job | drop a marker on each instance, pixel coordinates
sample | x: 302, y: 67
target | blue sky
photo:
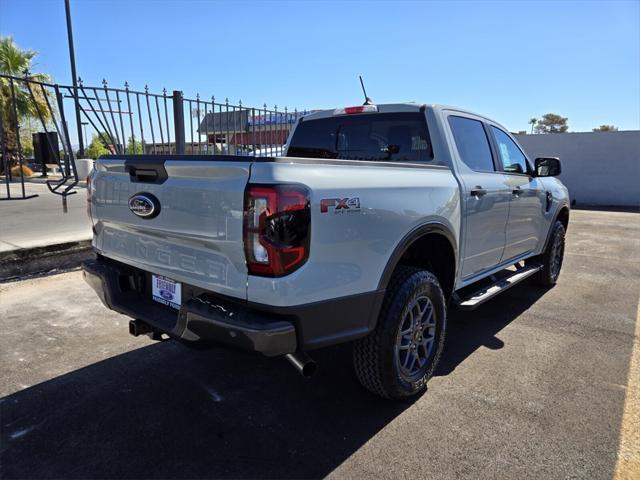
x: 507, y: 60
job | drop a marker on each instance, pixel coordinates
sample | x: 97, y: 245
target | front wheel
x: 398, y: 358
x: 552, y: 257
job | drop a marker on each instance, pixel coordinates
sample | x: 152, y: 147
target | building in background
x: 247, y: 131
x: 598, y: 168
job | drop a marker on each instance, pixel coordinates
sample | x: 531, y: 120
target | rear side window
x: 472, y: 143
x: 389, y: 137
x: 513, y: 160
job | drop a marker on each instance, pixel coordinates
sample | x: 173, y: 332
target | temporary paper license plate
x: 166, y: 291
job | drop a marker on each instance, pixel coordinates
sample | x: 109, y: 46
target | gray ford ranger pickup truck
x: 375, y: 221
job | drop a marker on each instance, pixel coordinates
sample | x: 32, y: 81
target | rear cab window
x: 385, y: 137
x: 472, y: 143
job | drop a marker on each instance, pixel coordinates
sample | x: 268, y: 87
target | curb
x: 27, y: 261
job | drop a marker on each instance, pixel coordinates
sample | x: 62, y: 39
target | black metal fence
x: 127, y: 121
x: 22, y: 98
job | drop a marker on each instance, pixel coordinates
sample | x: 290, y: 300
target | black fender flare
x: 553, y: 222
x: 413, y: 235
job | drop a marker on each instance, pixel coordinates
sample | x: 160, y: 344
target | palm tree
x: 532, y: 122
x: 16, y: 62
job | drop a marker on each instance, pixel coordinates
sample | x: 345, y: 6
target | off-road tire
x: 374, y: 356
x: 548, y: 275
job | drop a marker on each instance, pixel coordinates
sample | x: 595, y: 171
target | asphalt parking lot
x: 532, y: 385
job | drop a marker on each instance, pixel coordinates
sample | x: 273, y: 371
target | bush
x: 26, y: 171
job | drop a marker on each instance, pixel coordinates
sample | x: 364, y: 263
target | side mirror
x: 548, y: 167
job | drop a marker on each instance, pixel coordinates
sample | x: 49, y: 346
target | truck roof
x: 396, y: 107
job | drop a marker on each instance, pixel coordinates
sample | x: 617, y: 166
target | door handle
x: 516, y: 192
x: 478, y: 191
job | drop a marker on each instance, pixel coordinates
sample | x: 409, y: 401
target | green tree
x: 26, y: 141
x: 532, y: 122
x: 606, y: 128
x: 15, y: 62
x: 552, y: 123
x: 134, y: 147
x: 96, y: 148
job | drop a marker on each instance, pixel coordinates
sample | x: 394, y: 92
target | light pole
x: 84, y: 129
x: 74, y: 78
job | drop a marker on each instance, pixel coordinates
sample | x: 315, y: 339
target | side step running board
x: 479, y: 297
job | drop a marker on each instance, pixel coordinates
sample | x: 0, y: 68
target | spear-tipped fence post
x: 198, y: 123
x: 213, y: 125
x: 287, y: 125
x: 227, y: 139
x: 276, y: 130
x: 130, y: 113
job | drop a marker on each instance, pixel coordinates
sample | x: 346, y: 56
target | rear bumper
x: 210, y: 317
x: 200, y: 318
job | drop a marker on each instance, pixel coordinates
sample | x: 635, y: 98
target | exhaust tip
x: 303, y: 364
x: 309, y: 370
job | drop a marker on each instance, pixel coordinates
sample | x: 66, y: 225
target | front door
x: 528, y: 198
x: 485, y: 196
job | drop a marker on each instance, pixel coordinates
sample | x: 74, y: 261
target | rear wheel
x: 552, y: 257
x: 398, y: 358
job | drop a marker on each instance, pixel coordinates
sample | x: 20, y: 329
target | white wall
x: 598, y: 168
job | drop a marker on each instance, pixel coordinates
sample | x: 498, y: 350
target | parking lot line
x: 628, y: 464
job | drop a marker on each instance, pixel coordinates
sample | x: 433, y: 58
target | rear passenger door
x: 527, y: 199
x: 485, y: 195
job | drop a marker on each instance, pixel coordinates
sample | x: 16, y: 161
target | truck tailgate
x: 197, y: 235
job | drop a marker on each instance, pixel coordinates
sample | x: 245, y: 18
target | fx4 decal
x: 340, y: 205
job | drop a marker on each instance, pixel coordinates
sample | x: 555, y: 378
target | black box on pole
x: 46, y: 152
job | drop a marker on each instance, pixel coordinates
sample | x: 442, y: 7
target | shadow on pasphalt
x: 469, y: 330
x: 167, y: 411
x: 172, y: 412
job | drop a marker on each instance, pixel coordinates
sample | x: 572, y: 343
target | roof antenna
x: 367, y: 100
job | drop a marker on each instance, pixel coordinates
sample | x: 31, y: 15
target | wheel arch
x: 562, y: 214
x: 430, y: 245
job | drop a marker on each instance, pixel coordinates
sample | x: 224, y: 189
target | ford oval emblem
x: 144, y: 205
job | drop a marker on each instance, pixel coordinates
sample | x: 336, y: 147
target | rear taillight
x: 276, y: 228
